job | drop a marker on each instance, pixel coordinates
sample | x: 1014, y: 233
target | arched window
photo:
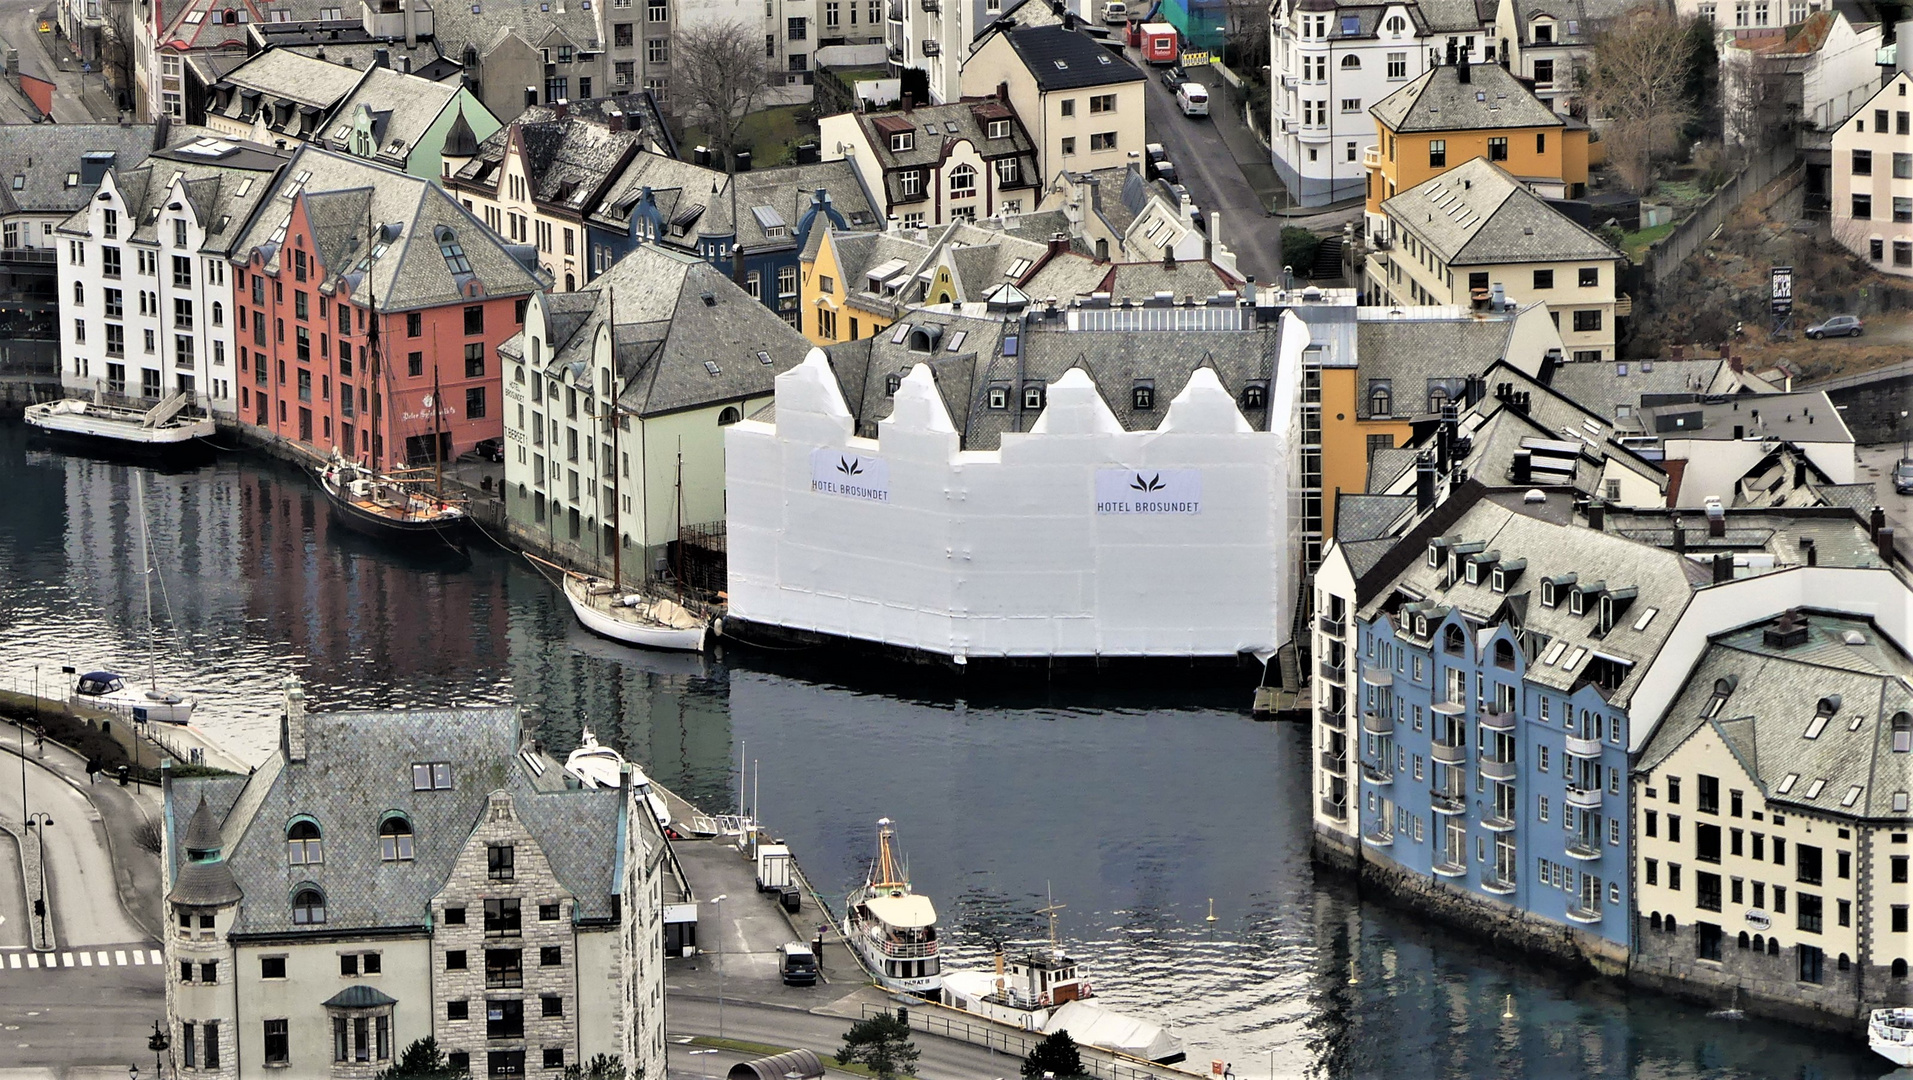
x: 1655, y: 920
x: 1437, y: 399
x: 308, y: 906
x: 395, y: 839
x: 79, y: 293
x: 1351, y: 62
x: 962, y: 178
x: 1255, y: 396
x: 1668, y: 924
x: 1845, y: 962
x: 1504, y: 653
x: 1899, y: 968
x: 1453, y: 640
x: 1743, y: 940
x: 729, y: 416
x: 1381, y: 399
x: 1773, y: 946
x: 1902, y: 733
x: 219, y: 313
x: 1760, y: 943
x: 571, y: 282
x: 303, y: 844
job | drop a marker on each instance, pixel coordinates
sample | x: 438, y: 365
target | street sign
x: 1780, y: 290
x: 46, y: 27
x: 1196, y: 58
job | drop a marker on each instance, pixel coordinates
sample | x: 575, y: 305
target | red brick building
x: 369, y: 301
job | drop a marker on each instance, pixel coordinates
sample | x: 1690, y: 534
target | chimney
x: 1680, y: 535
x: 1723, y: 568
x: 1248, y: 290
x: 1875, y: 522
x: 741, y: 161
x: 614, y: 120
x: 411, y: 24
x: 1003, y: 92
x: 1451, y: 52
x: 1209, y: 236
x: 1597, y: 515
x: 381, y: 58
x: 1498, y: 297
x: 1808, y: 549
x: 292, y: 722
x: 1725, y: 351
x: 405, y: 64
x: 1790, y: 631
x: 909, y: 101
x: 701, y: 155
x: 561, y: 108
x: 1886, y: 544
x: 1523, y: 471
x: 1679, y: 352
x: 1740, y: 432
x: 1058, y: 243
x: 1461, y: 70
x: 1800, y: 473
x: 1738, y: 365
x: 1424, y: 483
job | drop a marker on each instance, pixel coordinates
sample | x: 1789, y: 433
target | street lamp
x: 715, y: 901
x: 44, y: 821
x: 158, y: 1045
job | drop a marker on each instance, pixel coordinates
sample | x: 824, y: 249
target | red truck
x: 1158, y: 43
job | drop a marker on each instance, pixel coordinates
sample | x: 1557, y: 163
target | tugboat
x: 891, y: 929
x: 1890, y: 1034
x: 385, y: 506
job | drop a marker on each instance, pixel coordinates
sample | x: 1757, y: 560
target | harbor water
x: 1137, y: 808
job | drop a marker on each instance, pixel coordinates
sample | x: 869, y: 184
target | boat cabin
x: 1041, y: 979
x: 96, y: 683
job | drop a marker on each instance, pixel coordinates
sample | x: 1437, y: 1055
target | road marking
x: 139, y: 957
x: 86, y: 959
x: 15, y: 957
x: 33, y: 960
x: 119, y: 956
x: 102, y: 957
x: 157, y: 958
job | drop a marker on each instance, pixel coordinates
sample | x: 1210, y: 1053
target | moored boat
x: 168, y: 431
x: 386, y: 506
x: 1890, y: 1034
x: 892, y: 929
x: 635, y: 618
x: 595, y: 765
x: 109, y: 692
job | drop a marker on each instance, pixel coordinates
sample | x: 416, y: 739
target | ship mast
x: 1051, y: 911
x: 438, y: 441
x: 886, y: 871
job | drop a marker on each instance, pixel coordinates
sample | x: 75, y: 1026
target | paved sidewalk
x: 1250, y: 155
x: 123, y: 811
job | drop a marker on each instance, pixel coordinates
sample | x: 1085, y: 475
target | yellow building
x: 1454, y: 114
x: 1771, y: 817
x: 855, y: 284
x: 1475, y: 234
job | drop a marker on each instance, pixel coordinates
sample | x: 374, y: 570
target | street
x: 943, y: 1059
x: 1215, y: 182
x: 48, y: 57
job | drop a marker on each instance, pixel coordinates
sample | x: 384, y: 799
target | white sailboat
x: 892, y: 929
x: 112, y: 693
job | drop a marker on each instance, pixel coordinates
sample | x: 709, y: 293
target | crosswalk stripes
x: 112, y: 956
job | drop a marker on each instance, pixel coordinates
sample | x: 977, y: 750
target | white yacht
x: 106, y: 690
x: 595, y: 765
x: 891, y: 929
x: 1890, y: 1034
x: 166, y: 430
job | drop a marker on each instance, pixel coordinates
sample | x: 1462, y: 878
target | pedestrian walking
x: 92, y: 770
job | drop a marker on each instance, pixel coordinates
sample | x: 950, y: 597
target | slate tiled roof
x: 1439, y: 101
x: 1600, y: 386
x: 1408, y: 352
x: 1063, y: 59
x: 484, y: 24
x: 1360, y: 517
x: 1775, y: 695
x: 1476, y: 214
x: 1576, y: 22
x: 403, y: 108
x: 935, y: 130
x: 299, y: 92
x: 669, y: 336
x: 45, y: 169
x: 425, y: 59
x: 225, y: 180
x: 359, y: 209
x: 358, y: 767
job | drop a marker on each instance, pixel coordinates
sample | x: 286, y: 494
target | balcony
x: 1448, y: 708
x: 1623, y: 306
x: 1378, y: 837
x: 1497, y: 882
x: 1580, y: 848
x: 1583, y: 915
x: 1376, y: 676
x: 28, y: 257
x: 1289, y: 81
x: 1377, y: 777
x: 1451, y: 803
x: 1495, y: 720
x: 1450, y: 869
x: 1334, y: 673
x: 1449, y: 755
x: 1334, y: 811
x: 1585, y: 748
x: 1494, y: 822
x: 1584, y: 798
x: 1334, y: 627
x: 1497, y: 769
x: 1332, y: 718
x: 1335, y: 763
x: 1372, y: 157
x: 1376, y: 724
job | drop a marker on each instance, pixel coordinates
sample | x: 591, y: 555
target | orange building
x: 1459, y: 112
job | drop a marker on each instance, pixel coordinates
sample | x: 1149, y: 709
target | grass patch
x: 769, y: 134
x: 1688, y: 191
x: 1637, y: 243
x: 766, y: 1050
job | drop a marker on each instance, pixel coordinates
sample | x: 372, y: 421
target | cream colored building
x: 1873, y: 179
x: 1457, y: 238
x: 385, y: 877
x: 1771, y: 820
x: 1081, y: 102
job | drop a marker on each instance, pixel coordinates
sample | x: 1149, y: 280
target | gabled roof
x: 55, y: 168
x: 1409, y: 352
x: 226, y: 181
x: 402, y: 108
x: 935, y: 130
x: 1063, y: 59
x: 1476, y: 214
x: 1439, y: 101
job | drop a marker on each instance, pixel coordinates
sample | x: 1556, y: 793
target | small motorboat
x: 109, y: 692
x: 1890, y: 1034
x: 892, y: 929
x: 595, y: 765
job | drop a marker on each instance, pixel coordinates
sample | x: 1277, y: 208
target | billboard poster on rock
x: 1148, y: 491
x: 850, y: 475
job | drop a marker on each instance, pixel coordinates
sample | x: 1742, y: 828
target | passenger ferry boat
x: 891, y: 929
x: 172, y: 431
x: 1890, y: 1033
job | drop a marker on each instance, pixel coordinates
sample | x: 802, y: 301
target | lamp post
x: 719, y: 928
x: 158, y: 1045
x: 45, y: 822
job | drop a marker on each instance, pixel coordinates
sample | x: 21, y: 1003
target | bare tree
x: 720, y: 75
x: 1636, y: 74
x: 1757, y: 100
x: 1247, y: 35
x: 117, y: 47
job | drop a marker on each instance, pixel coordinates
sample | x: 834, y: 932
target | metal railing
x: 928, y: 1019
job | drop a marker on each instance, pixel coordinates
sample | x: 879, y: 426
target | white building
x: 144, y: 268
x: 1816, y: 73
x: 1331, y: 61
x: 1166, y: 532
x: 1873, y: 179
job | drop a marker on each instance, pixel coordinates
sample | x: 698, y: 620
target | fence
x: 1668, y: 253
x: 1104, y: 1064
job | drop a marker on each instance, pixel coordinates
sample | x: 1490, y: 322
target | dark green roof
x: 359, y: 996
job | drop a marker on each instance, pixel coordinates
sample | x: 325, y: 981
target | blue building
x: 764, y: 215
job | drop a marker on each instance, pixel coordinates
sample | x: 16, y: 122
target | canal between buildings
x: 1134, y: 808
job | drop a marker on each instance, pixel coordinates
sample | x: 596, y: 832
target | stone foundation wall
x: 1767, y: 985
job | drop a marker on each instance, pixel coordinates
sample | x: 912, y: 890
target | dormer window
x: 999, y: 129
x: 1255, y: 396
x: 1142, y: 396
x: 1577, y: 602
x: 1499, y: 581
x: 901, y: 141
x: 395, y: 839
x: 1421, y: 626
x: 891, y: 383
x: 304, y: 846
x: 1474, y: 572
x: 1902, y: 733
x: 1723, y: 688
x: 999, y: 397
x: 308, y: 906
x: 435, y: 775
x: 1033, y: 396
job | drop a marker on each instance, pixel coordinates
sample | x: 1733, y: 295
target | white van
x: 1193, y: 99
x: 1115, y: 13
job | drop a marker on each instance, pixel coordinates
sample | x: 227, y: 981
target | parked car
x: 1156, y: 163
x: 491, y: 449
x: 1838, y: 326
x: 1903, y: 476
x: 1115, y: 13
x: 1173, y: 77
x: 1192, y: 99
